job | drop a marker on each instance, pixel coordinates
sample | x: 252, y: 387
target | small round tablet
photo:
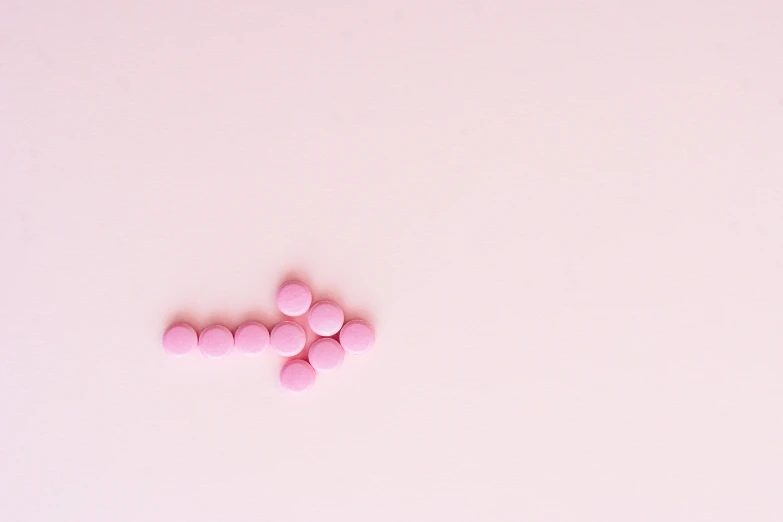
x: 326, y: 318
x: 215, y: 341
x: 288, y: 338
x: 326, y: 354
x: 294, y: 298
x: 357, y: 336
x: 179, y: 339
x: 297, y: 375
x: 251, y: 338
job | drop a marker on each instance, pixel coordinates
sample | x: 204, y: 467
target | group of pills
x: 325, y: 318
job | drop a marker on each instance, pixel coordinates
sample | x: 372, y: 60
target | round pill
x: 215, y: 341
x: 251, y: 338
x: 357, y: 336
x: 288, y: 338
x: 297, y: 375
x: 326, y: 318
x: 179, y: 339
x: 294, y: 298
x: 326, y: 354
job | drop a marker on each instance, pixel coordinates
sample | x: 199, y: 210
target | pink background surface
x: 564, y: 218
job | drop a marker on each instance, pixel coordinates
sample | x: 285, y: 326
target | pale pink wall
x: 565, y: 219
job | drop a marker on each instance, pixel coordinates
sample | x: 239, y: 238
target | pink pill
x: 215, y: 341
x: 179, y: 339
x: 326, y: 318
x: 357, y: 336
x: 288, y: 338
x: 251, y: 338
x: 326, y: 354
x: 297, y: 375
x: 294, y: 298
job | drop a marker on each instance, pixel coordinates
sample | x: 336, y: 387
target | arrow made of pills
x: 325, y: 318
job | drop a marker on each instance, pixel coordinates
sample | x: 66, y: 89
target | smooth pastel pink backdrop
x: 564, y: 218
